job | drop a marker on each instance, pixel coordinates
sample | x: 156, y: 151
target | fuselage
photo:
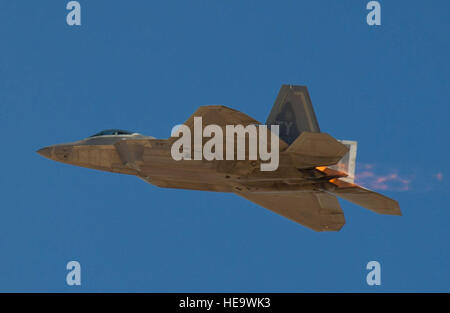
x: 150, y: 159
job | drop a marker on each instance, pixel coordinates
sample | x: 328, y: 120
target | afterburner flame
x: 370, y: 178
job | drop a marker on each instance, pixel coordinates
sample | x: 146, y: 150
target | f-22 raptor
x: 314, y: 168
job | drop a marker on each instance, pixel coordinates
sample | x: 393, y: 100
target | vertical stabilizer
x: 293, y: 112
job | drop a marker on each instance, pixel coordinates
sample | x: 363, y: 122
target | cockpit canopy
x: 112, y: 132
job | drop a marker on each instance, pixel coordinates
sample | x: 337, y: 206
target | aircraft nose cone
x: 45, y: 152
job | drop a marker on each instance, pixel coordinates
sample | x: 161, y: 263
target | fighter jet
x: 314, y: 168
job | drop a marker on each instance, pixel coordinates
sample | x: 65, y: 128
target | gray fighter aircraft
x: 314, y: 168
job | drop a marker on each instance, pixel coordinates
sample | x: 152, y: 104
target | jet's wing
x: 223, y: 116
x: 318, y: 211
x: 220, y: 115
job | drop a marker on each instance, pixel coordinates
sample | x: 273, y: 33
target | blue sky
x: 146, y: 66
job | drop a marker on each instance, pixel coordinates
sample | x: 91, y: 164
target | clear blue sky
x: 146, y: 66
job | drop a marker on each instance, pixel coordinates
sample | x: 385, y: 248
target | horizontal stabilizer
x: 366, y: 198
x: 316, y: 149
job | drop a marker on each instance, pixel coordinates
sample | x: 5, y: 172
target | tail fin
x: 293, y: 112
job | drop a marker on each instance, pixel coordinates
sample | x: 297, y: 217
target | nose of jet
x: 45, y: 152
